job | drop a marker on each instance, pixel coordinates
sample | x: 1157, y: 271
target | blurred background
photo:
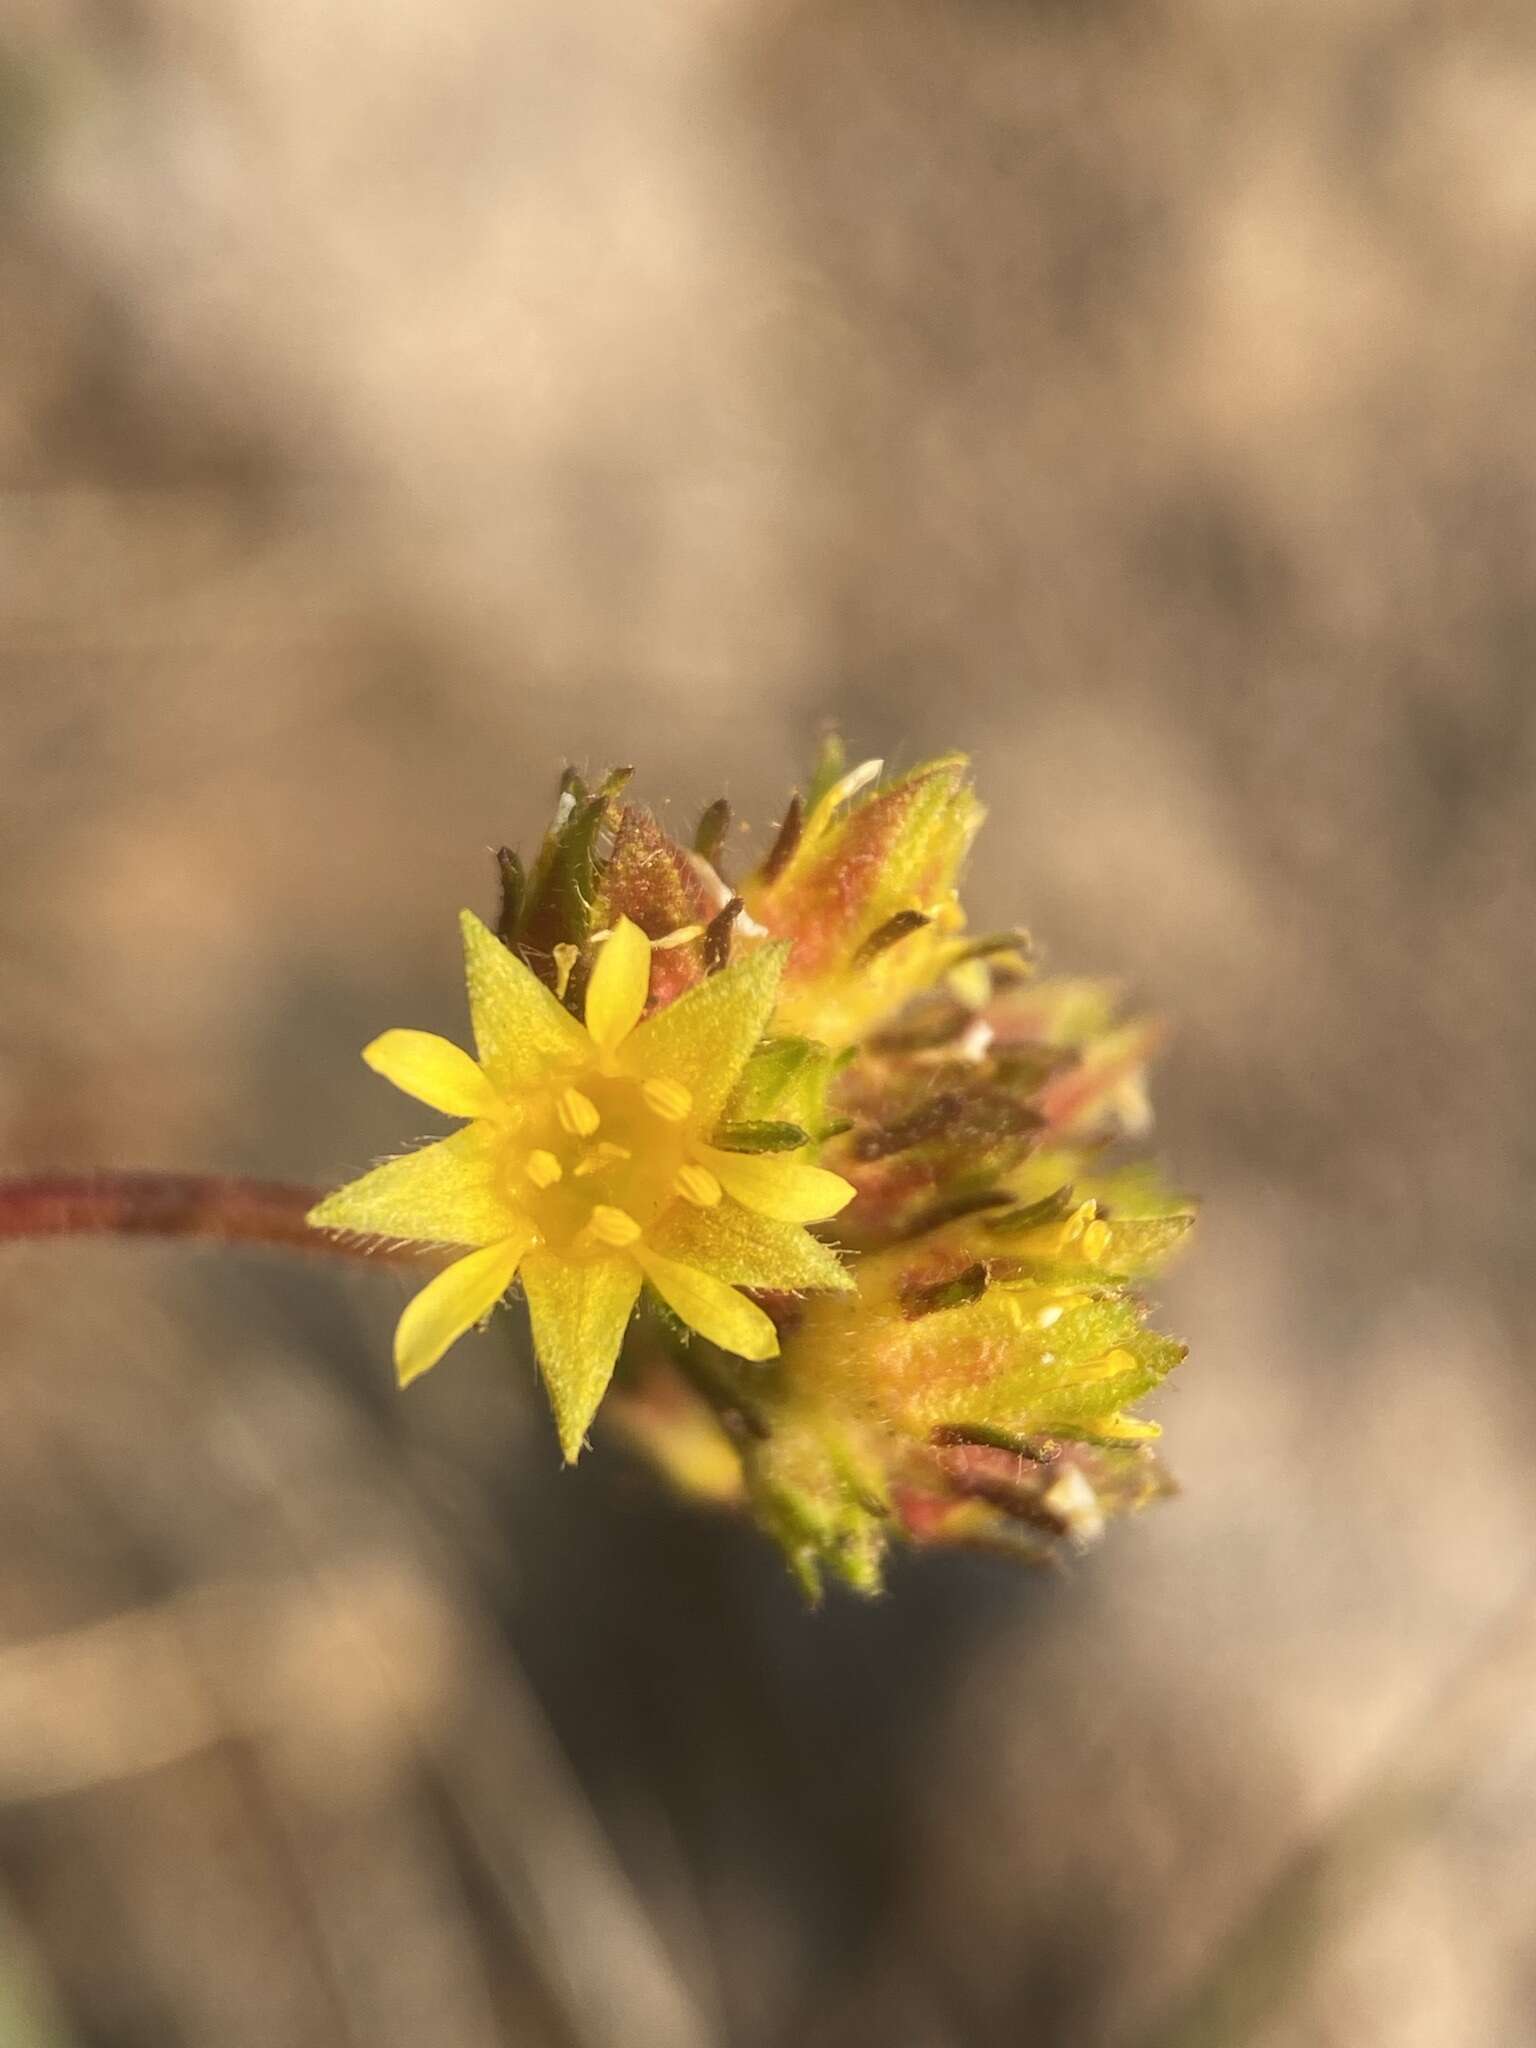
x: 398, y: 402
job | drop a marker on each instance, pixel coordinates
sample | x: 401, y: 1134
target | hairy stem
x: 215, y: 1208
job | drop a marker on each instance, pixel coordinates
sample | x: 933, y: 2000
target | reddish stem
x: 218, y: 1208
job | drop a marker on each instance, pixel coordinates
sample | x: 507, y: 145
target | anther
x: 1095, y: 1242
x: 577, y: 1113
x: 1079, y: 1220
x: 612, y: 1227
x: 698, y: 1185
x: 544, y: 1169
x: 669, y: 1099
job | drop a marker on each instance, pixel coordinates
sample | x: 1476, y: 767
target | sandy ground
x: 395, y: 403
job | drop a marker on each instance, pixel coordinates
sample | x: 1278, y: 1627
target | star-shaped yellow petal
x: 447, y: 1193
x: 453, y: 1303
x: 587, y: 1170
x: 520, y: 1030
x: 706, y: 1037
x: 579, y: 1315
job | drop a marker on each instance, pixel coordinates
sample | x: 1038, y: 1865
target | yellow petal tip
x: 435, y: 1071
x: 621, y: 981
x: 777, y: 1185
x: 711, y: 1306
x: 452, y: 1303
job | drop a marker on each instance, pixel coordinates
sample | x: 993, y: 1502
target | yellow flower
x: 585, y: 1169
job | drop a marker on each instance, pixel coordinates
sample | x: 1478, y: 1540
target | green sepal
x: 785, y: 1082
x: 849, y: 872
x: 1137, y: 1243
x: 1027, y: 1271
x: 824, y: 1502
x: 514, y: 894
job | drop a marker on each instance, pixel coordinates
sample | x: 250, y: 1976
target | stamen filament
x: 602, y: 1154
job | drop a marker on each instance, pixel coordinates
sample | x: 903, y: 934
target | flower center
x: 598, y: 1157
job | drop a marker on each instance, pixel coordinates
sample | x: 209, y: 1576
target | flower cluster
x: 677, y: 1075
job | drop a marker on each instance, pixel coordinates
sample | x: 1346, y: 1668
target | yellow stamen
x: 612, y: 1226
x: 1079, y: 1220
x: 683, y: 936
x: 670, y: 1100
x: 1049, y: 1315
x: 565, y: 958
x: 544, y: 1169
x: 577, y: 1113
x: 698, y: 1185
x: 603, y: 1154
x: 1095, y: 1242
